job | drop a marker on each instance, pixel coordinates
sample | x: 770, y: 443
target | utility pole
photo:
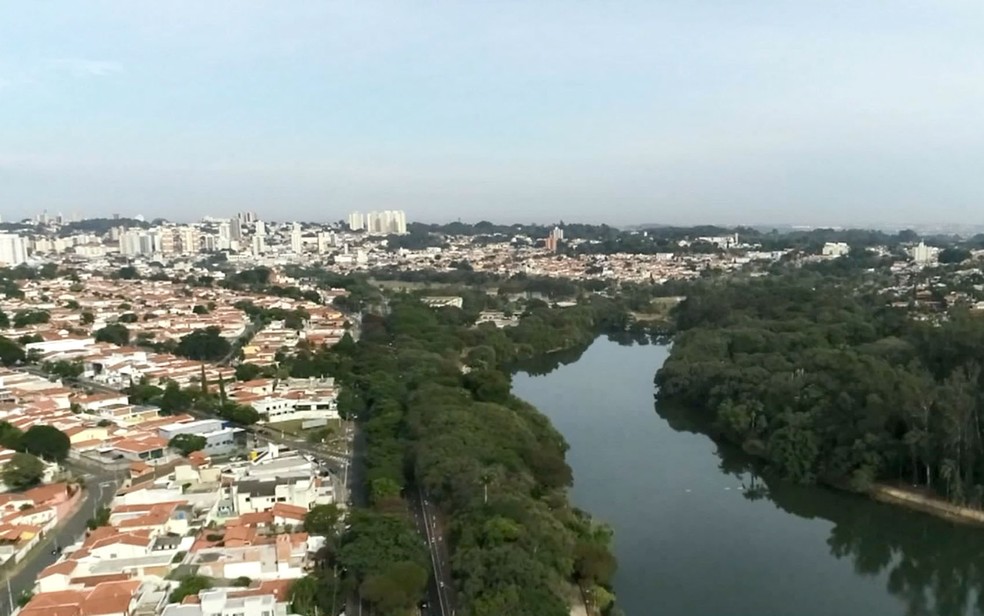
x: 10, y: 596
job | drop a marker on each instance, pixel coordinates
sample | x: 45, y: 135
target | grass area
x: 294, y: 427
x: 659, y: 309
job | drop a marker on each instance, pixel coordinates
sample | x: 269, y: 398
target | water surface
x: 697, y: 533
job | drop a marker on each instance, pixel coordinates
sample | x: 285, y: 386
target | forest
x: 817, y: 375
x: 493, y: 464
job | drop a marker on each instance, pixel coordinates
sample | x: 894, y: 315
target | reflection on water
x: 699, y: 531
x: 934, y: 566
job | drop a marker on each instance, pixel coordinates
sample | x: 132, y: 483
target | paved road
x: 100, y: 490
x: 440, y: 597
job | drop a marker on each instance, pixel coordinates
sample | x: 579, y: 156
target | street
x: 99, y: 492
x: 439, y: 591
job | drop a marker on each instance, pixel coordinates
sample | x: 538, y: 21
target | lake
x: 698, y: 533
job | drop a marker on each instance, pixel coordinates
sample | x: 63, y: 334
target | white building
x: 296, y: 400
x: 925, y: 255
x: 296, y: 243
x: 219, y: 439
x: 835, y: 249
x: 136, y: 243
x: 255, y: 496
x: 325, y: 240
x: 386, y: 222
x: 225, y: 236
x: 356, y: 221
x: 220, y: 603
x: 13, y: 250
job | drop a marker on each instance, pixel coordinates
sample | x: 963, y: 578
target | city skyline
x: 812, y: 113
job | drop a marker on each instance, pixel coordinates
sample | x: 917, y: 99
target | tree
x: 204, y: 344
x: 186, y: 444
x: 322, y: 520
x: 199, y: 309
x: 174, y: 399
x: 46, y: 442
x: 128, y: 317
x: 4, y: 320
x: 488, y: 385
x: 64, y: 369
x: 10, y: 352
x: 23, y: 318
x: 954, y: 255
x: 23, y: 471
x: 10, y: 436
x: 101, y: 518
x: 115, y: 333
x: 239, y: 413
x: 397, y: 589
x: 87, y: 318
x: 190, y: 585
x: 247, y: 372
x: 127, y: 273
x: 203, y: 381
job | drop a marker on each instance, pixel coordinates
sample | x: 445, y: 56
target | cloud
x: 81, y: 68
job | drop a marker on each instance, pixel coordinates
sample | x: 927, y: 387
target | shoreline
x: 917, y: 501
x: 911, y: 499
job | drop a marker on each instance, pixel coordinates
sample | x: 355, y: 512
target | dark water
x: 697, y: 533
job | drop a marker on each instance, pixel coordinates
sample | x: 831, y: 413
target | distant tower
x: 236, y: 229
x: 356, y: 221
x: 553, y: 240
x: 295, y: 239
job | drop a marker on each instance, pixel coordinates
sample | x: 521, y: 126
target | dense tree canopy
x: 23, y: 318
x: 826, y: 382
x: 11, y: 353
x: 204, y: 344
x: 46, y: 442
x: 493, y: 463
x: 322, y: 520
x: 114, y: 333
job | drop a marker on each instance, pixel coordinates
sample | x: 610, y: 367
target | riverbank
x: 912, y: 499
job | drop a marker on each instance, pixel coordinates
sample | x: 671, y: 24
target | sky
x: 820, y: 112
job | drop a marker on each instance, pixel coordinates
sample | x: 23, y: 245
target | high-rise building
x: 296, y: 245
x: 13, y: 250
x: 224, y: 239
x: 356, y: 221
x: 553, y: 240
x: 167, y: 241
x: 187, y: 239
x: 259, y: 238
x: 325, y: 240
x: 386, y: 222
x: 259, y: 244
x: 236, y: 229
x: 401, y: 222
x: 925, y: 255
x: 135, y: 243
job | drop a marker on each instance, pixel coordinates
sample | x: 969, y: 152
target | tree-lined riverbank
x: 699, y: 532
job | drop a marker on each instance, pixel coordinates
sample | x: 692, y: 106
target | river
x: 698, y: 533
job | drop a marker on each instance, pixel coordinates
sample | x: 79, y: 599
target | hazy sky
x: 798, y: 111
